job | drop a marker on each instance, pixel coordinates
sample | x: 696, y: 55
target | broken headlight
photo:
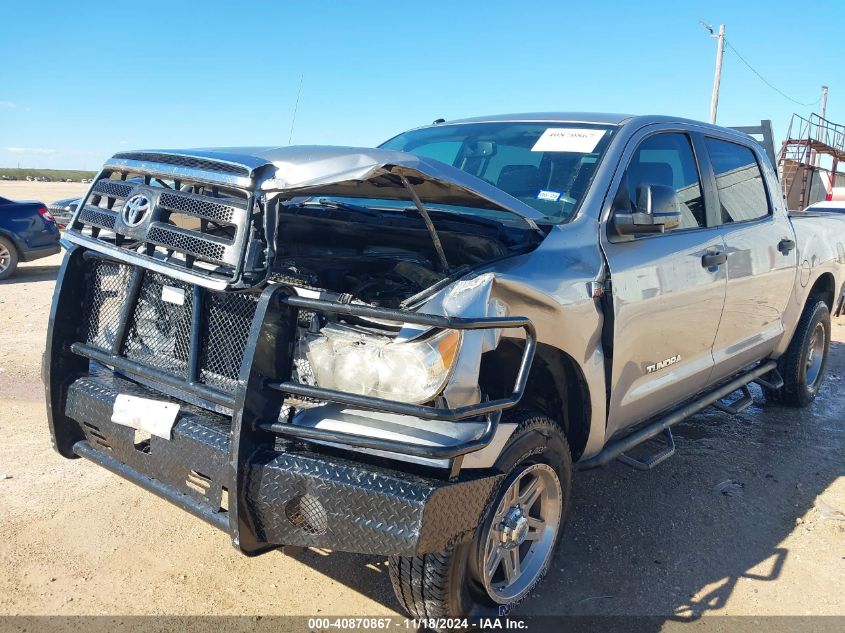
x: 407, y: 371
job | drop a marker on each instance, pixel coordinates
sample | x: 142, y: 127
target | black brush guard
x: 233, y: 467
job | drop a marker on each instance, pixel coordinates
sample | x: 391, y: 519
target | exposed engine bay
x: 386, y: 257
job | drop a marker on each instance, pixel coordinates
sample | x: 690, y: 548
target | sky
x: 81, y: 81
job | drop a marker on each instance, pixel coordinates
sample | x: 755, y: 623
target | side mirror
x: 658, y: 210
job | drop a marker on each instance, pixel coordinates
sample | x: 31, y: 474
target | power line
x: 766, y: 81
x: 295, y: 108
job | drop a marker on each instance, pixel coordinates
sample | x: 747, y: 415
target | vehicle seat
x: 661, y: 174
x: 519, y: 180
x: 652, y: 173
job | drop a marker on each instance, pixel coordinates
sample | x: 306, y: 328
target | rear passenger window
x: 742, y: 192
x: 667, y: 159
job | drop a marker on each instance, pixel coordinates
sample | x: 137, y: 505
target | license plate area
x: 145, y: 415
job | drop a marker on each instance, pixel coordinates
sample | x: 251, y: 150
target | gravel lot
x: 746, y: 519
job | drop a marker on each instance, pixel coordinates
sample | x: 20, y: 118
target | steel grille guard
x: 265, y: 370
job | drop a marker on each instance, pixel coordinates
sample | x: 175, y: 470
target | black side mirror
x: 658, y: 210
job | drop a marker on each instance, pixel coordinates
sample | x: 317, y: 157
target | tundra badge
x: 650, y: 369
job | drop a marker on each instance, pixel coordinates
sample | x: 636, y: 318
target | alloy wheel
x: 5, y: 258
x: 815, y: 355
x: 523, y: 533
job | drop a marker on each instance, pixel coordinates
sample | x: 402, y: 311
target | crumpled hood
x: 358, y: 172
x: 371, y: 173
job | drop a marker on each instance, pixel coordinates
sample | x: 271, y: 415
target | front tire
x: 515, y: 542
x: 8, y: 258
x: 804, y: 363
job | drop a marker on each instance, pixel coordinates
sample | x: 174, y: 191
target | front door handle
x: 786, y: 246
x: 711, y: 260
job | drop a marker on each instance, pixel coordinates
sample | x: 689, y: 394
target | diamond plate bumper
x: 293, y: 496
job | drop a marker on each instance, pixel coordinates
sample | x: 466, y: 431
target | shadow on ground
x: 30, y: 274
x: 674, y: 542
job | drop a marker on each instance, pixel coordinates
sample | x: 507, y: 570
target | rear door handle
x: 786, y: 246
x: 711, y: 260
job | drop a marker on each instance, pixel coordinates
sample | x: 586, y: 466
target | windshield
x: 545, y: 165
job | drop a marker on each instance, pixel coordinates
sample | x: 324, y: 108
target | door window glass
x: 742, y: 193
x: 667, y: 159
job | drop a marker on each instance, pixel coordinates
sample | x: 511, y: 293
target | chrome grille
x: 199, y: 207
x: 95, y: 216
x: 192, y: 162
x: 198, y: 221
x: 184, y: 242
x: 113, y: 188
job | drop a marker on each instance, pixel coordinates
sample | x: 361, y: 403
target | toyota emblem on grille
x: 136, y: 210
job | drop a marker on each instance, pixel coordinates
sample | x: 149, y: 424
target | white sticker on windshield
x: 552, y: 196
x: 568, y: 139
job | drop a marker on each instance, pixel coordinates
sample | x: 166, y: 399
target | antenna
x: 295, y: 108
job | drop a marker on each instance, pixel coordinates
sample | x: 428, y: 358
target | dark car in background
x: 62, y: 210
x: 27, y: 232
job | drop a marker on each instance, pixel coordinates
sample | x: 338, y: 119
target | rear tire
x: 804, y: 363
x: 8, y: 258
x: 448, y: 584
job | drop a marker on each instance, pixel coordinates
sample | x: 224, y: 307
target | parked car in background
x: 27, y: 232
x: 62, y: 210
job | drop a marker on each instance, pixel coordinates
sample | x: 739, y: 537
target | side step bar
x: 661, y: 424
x: 663, y: 449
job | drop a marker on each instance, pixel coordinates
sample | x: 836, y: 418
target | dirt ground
x: 45, y: 192
x: 746, y: 519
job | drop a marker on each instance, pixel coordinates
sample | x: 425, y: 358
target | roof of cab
x: 254, y: 157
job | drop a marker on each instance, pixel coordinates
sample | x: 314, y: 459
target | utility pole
x: 720, y: 51
x: 818, y: 158
x: 824, y: 101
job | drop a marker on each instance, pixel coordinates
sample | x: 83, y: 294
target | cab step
x: 739, y: 405
x: 660, y: 425
x: 773, y: 380
x: 661, y: 448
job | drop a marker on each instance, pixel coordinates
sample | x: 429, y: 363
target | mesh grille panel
x: 113, y: 188
x: 96, y: 217
x: 160, y: 331
x: 226, y: 328
x: 158, y: 334
x: 104, y: 296
x: 198, y: 246
x: 198, y: 207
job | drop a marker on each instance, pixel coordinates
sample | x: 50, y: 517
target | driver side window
x: 666, y: 159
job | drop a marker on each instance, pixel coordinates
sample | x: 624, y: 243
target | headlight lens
x: 413, y: 371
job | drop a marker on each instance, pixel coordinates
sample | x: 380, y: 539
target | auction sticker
x: 568, y: 139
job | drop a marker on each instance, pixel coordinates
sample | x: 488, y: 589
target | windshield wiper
x: 328, y: 203
x: 485, y: 220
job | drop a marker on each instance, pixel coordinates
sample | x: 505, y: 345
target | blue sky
x: 80, y: 81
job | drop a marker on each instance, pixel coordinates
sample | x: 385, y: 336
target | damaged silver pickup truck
x: 403, y: 351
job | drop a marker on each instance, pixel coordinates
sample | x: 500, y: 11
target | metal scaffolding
x: 808, y: 142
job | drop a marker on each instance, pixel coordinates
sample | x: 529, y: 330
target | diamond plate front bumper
x: 293, y: 496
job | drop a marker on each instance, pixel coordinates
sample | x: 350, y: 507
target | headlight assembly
x: 411, y: 371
